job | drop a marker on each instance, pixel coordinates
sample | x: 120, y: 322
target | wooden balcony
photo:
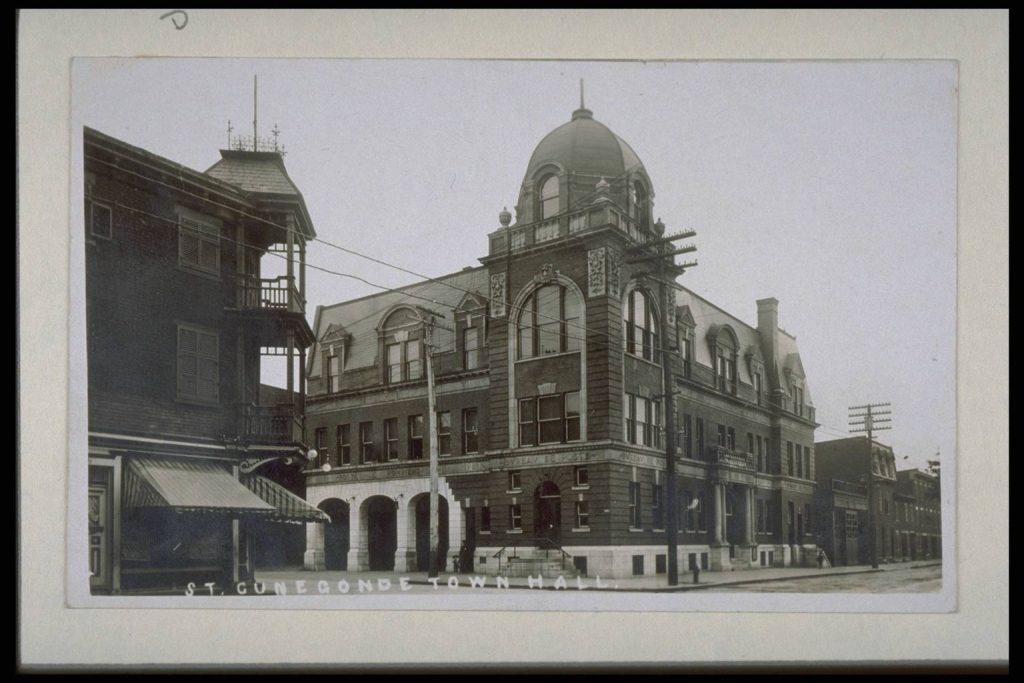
x: 277, y: 294
x: 279, y: 423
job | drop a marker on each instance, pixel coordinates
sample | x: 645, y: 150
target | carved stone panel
x: 596, y: 280
x: 613, y: 283
x: 498, y: 295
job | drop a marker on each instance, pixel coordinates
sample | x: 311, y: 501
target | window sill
x: 485, y: 533
x: 634, y: 529
x: 549, y: 355
x: 514, y: 531
x: 581, y: 530
x: 583, y: 487
x: 514, y: 491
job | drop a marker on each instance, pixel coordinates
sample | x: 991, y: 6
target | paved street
x: 897, y: 578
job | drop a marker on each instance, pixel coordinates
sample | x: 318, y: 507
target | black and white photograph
x: 353, y: 336
x: 383, y: 328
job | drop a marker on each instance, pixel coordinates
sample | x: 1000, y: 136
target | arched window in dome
x: 640, y: 324
x: 549, y: 322
x: 549, y: 199
x: 638, y: 205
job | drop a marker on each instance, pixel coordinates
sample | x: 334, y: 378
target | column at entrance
x: 746, y: 553
x: 313, y: 559
x: 405, y: 556
x: 359, y: 541
x: 719, y: 551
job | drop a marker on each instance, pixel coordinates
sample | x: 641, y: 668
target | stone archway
x: 421, y: 530
x: 336, y: 534
x: 380, y: 516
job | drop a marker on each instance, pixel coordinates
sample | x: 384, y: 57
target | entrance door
x: 382, y: 533
x: 547, y: 522
x: 336, y: 534
x: 423, y: 532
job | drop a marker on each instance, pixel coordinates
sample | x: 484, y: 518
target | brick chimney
x: 768, y: 329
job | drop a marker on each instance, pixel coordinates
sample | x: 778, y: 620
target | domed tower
x: 567, y: 168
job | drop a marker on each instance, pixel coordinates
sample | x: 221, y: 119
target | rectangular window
x: 761, y: 519
x: 394, y: 354
x: 344, y: 445
x: 767, y: 454
x: 686, y: 436
x: 470, y: 348
x: 760, y: 453
x: 413, y: 366
x: 444, y: 433
x: 638, y: 565
x: 700, y: 439
x: 799, y: 461
x: 581, y: 477
x: 702, y: 522
x: 515, y: 517
x: 750, y: 442
x: 100, y: 221
x: 528, y: 422
x: 634, y: 505
x: 469, y: 431
x: 757, y: 385
x: 415, y: 437
x: 655, y: 424
x: 572, y: 416
x: 789, y: 458
x: 514, y: 481
x: 320, y: 440
x: 198, y: 245
x: 657, y: 511
x: 807, y: 462
x: 721, y: 435
x: 366, y: 442
x: 485, y: 519
x: 582, y: 514
x: 549, y: 418
x: 686, y: 352
x: 198, y: 364
x: 730, y: 439
x: 629, y: 411
x: 659, y: 563
x: 391, y: 439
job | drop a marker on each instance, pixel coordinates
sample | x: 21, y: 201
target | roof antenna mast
x: 254, y: 134
x: 581, y: 94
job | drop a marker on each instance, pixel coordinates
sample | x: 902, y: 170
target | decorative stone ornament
x: 547, y: 274
x: 670, y: 307
x: 504, y: 217
x: 596, y: 272
x: 498, y: 295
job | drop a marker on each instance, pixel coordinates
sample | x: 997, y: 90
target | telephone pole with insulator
x: 871, y: 418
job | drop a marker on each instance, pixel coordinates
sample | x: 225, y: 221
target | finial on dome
x: 504, y: 217
x: 582, y: 112
x: 602, y: 185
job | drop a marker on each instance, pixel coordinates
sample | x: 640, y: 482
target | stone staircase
x: 550, y: 566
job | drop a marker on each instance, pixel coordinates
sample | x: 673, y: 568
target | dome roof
x: 584, y: 145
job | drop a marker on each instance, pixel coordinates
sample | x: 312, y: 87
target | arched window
x: 640, y: 323
x: 638, y: 205
x: 549, y: 322
x: 549, y: 202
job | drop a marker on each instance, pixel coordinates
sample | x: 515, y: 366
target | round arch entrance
x: 336, y: 534
x: 422, y: 512
x: 381, y: 533
x: 547, y: 521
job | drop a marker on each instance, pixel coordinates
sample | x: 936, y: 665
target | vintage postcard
x: 552, y: 335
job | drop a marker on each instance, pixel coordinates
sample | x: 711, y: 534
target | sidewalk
x: 647, y: 584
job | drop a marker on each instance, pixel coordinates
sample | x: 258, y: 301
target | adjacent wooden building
x: 180, y: 311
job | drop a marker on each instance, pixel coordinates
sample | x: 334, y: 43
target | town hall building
x: 547, y: 359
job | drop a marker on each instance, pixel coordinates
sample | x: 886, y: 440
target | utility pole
x: 875, y: 418
x: 428, y: 344
x: 664, y: 261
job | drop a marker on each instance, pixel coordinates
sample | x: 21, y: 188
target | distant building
x: 179, y: 314
x: 550, y: 400
x: 906, y: 504
x: 919, y: 516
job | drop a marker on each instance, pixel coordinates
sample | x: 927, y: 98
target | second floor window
x: 470, y: 443
x: 549, y: 322
x: 643, y: 421
x: 366, y: 442
x: 582, y: 478
x: 657, y: 511
x: 391, y: 439
x: 344, y: 445
x: 635, y: 521
x: 789, y: 458
x: 515, y: 517
x: 198, y: 245
x: 515, y: 482
x: 198, y: 364
x: 444, y: 433
x: 320, y: 440
x: 415, y: 437
x: 549, y: 419
x: 99, y: 217
x: 582, y: 514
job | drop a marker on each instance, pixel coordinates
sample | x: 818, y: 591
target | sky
x: 830, y: 186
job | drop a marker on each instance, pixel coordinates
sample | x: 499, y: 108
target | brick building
x: 180, y: 310
x: 549, y: 399
x: 918, y: 516
x: 846, y: 467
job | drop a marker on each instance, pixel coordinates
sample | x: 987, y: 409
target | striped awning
x: 288, y: 506
x: 189, y: 485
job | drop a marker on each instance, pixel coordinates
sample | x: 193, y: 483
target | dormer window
x: 549, y: 197
x: 402, y: 347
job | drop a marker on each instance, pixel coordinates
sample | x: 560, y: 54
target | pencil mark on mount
x: 175, y: 19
